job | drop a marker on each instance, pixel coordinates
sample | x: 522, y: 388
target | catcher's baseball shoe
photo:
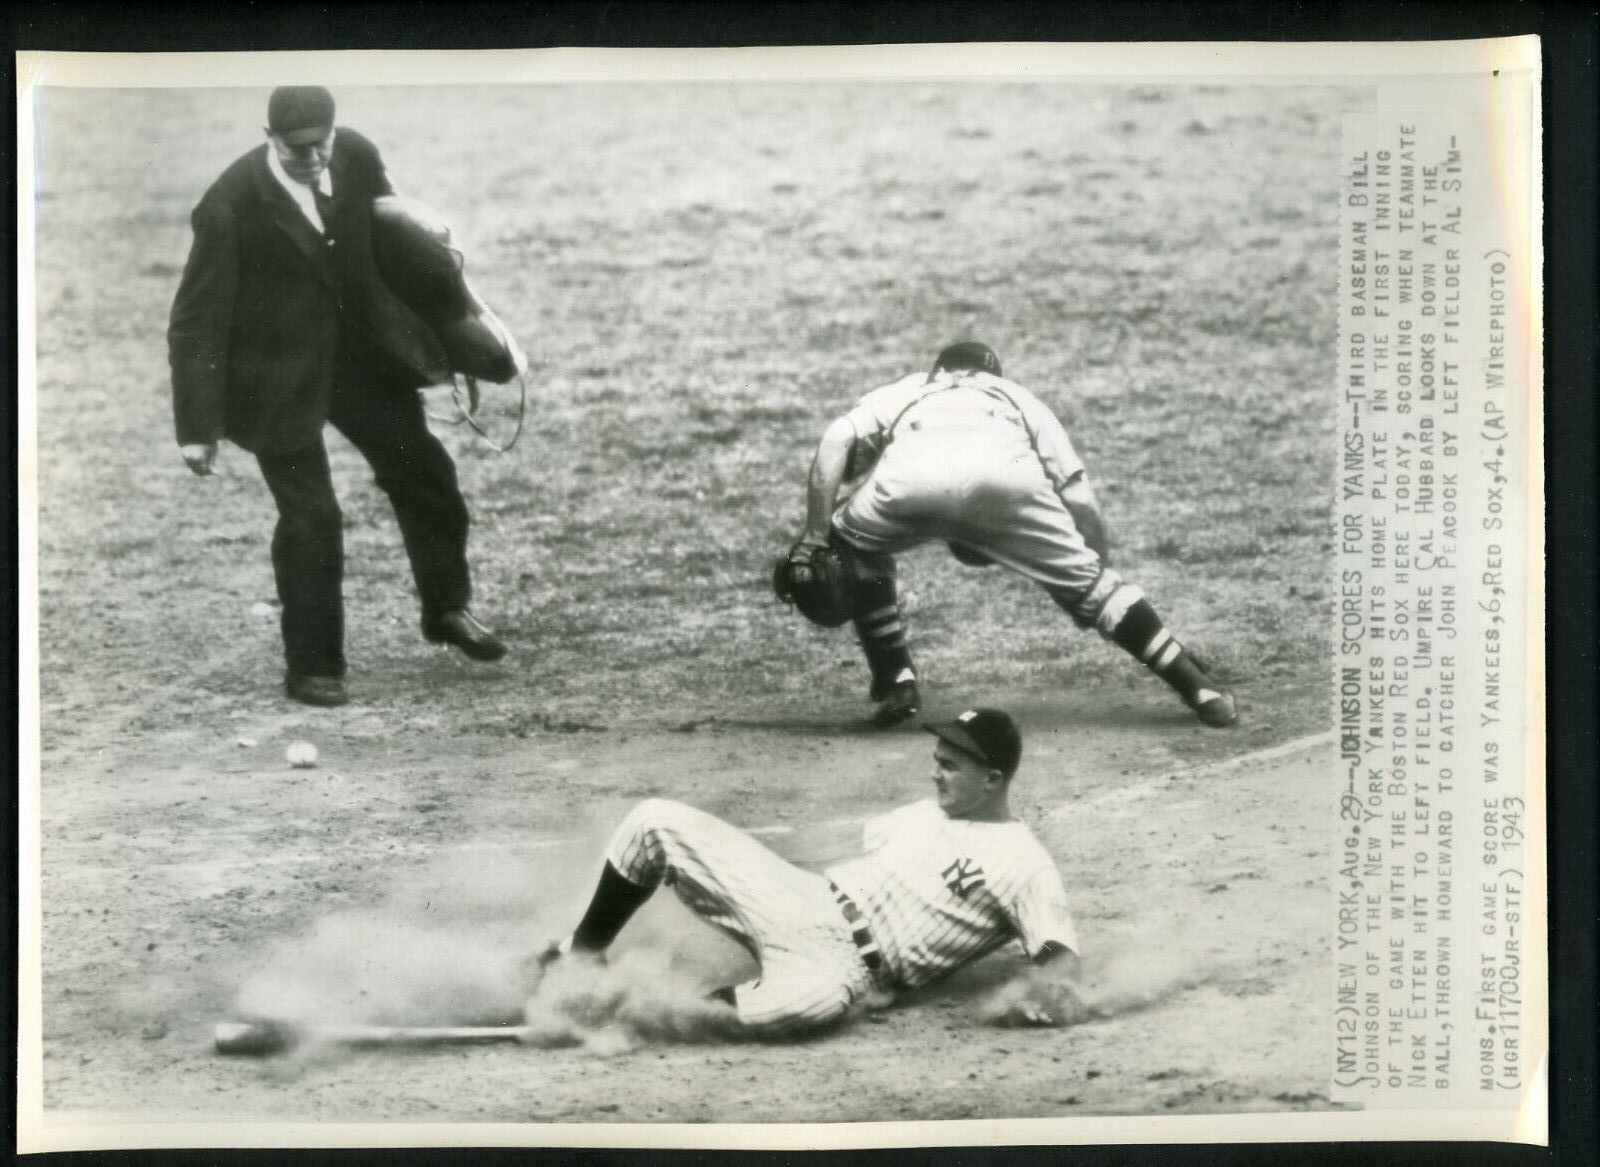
x: 901, y: 701
x: 1214, y: 707
x: 881, y: 685
x: 308, y: 690
x: 460, y: 628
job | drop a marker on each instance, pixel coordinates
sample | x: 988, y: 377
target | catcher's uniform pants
x: 390, y: 429
x: 943, y: 484
x: 787, y: 918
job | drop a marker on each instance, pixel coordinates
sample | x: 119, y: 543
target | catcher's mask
x: 412, y: 248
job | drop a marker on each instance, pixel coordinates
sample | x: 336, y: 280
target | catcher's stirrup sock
x: 882, y: 633
x: 1141, y: 632
x: 616, y: 899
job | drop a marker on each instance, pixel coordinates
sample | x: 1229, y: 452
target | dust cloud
x: 1126, y: 974
x: 640, y: 997
x: 1132, y: 978
x: 456, y: 944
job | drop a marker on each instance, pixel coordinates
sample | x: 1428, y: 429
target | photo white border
x: 1403, y: 73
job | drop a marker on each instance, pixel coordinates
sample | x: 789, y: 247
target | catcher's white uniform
x: 973, y: 458
x: 964, y: 455
x: 931, y: 894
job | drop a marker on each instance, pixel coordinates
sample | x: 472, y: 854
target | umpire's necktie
x: 324, y: 203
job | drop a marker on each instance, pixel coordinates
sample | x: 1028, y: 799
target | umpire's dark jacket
x: 255, y: 331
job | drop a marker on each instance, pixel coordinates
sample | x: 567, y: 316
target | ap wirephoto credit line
x: 1437, y: 933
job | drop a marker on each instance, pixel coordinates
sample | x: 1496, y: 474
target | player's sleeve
x: 879, y: 829
x: 1039, y: 912
x: 877, y: 411
x: 202, y: 314
x: 1056, y: 453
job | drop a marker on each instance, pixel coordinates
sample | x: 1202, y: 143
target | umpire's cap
x: 300, y: 114
x: 967, y: 354
x: 986, y: 734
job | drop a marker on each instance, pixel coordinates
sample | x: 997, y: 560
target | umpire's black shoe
x: 308, y: 690
x: 460, y: 628
x: 901, y: 702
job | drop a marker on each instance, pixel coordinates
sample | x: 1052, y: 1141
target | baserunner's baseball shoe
x: 551, y: 953
x: 537, y: 965
x: 562, y: 950
x: 1214, y: 707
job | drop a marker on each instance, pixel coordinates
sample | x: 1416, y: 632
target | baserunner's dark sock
x: 616, y: 899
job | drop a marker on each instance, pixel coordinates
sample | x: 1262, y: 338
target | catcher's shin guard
x: 880, y: 629
x: 1119, y: 612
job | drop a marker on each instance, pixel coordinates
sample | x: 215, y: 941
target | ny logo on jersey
x: 962, y: 876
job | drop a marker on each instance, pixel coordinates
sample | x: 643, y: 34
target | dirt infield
x: 704, y: 276
x: 1204, y: 957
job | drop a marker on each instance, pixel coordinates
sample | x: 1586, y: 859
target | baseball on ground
x: 301, y: 755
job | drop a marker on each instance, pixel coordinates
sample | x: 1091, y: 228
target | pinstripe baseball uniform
x: 932, y: 894
x: 973, y: 458
x: 939, y: 892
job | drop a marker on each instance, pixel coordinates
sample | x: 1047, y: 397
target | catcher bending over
x: 964, y: 455
x: 942, y: 882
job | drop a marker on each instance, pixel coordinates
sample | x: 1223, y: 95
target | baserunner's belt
x: 866, y: 946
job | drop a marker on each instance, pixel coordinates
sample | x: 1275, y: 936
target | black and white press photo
x: 661, y: 599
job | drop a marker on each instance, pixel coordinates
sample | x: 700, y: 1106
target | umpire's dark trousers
x: 389, y: 428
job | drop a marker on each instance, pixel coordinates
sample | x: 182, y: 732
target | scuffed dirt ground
x: 374, y: 895
x: 725, y: 271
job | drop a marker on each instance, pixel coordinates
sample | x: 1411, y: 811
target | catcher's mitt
x: 817, y: 581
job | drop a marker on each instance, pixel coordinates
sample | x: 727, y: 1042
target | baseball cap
x: 987, y: 734
x: 300, y: 114
x: 968, y: 354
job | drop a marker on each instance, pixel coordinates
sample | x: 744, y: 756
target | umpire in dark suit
x: 283, y: 322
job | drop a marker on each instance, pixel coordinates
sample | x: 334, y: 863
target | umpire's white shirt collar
x: 299, y: 191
